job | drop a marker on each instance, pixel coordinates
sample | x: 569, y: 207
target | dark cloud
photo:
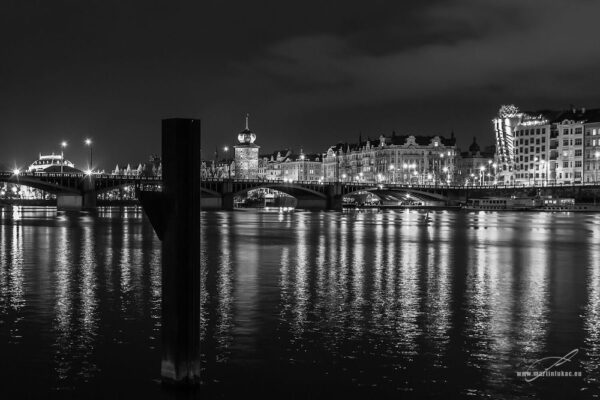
x: 310, y: 73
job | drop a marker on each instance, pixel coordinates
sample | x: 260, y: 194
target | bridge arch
x: 287, y: 188
x: 33, y: 182
x: 306, y: 196
x: 394, y: 196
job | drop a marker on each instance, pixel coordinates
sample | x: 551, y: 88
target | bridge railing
x: 135, y: 178
x: 408, y: 185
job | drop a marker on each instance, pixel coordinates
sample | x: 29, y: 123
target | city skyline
x: 308, y: 74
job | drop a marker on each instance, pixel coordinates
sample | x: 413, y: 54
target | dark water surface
x: 302, y: 304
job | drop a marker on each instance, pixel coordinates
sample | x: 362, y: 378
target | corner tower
x: 246, y: 154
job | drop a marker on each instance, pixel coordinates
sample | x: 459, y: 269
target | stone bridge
x: 77, y: 191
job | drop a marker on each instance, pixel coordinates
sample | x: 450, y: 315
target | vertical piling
x: 181, y: 252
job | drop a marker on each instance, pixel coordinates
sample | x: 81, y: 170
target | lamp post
x: 481, y: 175
x: 440, y: 168
x: 226, y: 149
x: 63, y: 144
x: 495, y: 173
x: 88, y: 142
x: 544, y: 175
x: 392, y: 169
x: 337, y: 167
x: 597, y: 155
x: 445, y: 169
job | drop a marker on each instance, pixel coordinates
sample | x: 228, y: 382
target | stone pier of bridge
x: 84, y: 200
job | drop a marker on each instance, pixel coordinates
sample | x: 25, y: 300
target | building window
x: 578, y: 142
x: 577, y: 164
x: 578, y: 153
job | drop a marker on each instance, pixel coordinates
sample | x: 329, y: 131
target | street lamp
x: 226, y: 150
x: 481, y: 176
x: 535, y: 159
x: 392, y: 168
x: 597, y: 155
x: 88, y: 142
x: 63, y: 145
x: 445, y: 169
x: 544, y: 174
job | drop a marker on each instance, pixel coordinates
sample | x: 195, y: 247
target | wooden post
x: 175, y: 216
x: 181, y: 252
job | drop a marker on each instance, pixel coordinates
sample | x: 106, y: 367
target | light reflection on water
x: 386, y: 302
x: 361, y: 302
x: 74, y: 307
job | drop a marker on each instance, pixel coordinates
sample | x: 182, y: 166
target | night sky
x: 310, y: 73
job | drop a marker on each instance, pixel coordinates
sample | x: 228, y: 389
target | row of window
x: 569, y: 142
x: 526, y: 132
x: 537, y: 141
x: 571, y: 131
x: 569, y: 164
x: 531, y: 149
x: 526, y: 158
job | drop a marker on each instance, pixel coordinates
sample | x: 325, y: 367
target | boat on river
x: 539, y: 203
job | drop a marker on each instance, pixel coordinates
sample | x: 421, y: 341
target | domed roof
x: 246, y: 136
x: 474, y: 147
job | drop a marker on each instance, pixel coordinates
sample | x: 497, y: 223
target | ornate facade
x: 393, y: 159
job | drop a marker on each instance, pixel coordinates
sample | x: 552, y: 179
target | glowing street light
x: 16, y: 171
x: 88, y: 142
x: 226, y: 149
x: 63, y: 145
x: 481, y: 170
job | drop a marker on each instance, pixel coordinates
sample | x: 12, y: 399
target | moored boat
x: 538, y: 203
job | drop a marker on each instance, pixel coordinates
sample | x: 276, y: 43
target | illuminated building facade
x: 286, y: 166
x: 48, y: 161
x: 246, y: 155
x: 547, y: 147
x: 393, y: 159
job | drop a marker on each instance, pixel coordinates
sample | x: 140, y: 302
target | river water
x: 355, y: 304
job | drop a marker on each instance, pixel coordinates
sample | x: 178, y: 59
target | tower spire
x: 247, y: 115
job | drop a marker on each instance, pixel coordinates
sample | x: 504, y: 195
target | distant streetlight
x: 481, y: 175
x: 63, y: 145
x: 16, y: 171
x: 88, y: 142
x: 597, y: 155
x: 226, y: 149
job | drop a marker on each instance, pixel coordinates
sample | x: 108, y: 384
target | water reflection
x: 58, y: 300
x: 369, y: 301
x: 385, y: 292
x: 591, y: 364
